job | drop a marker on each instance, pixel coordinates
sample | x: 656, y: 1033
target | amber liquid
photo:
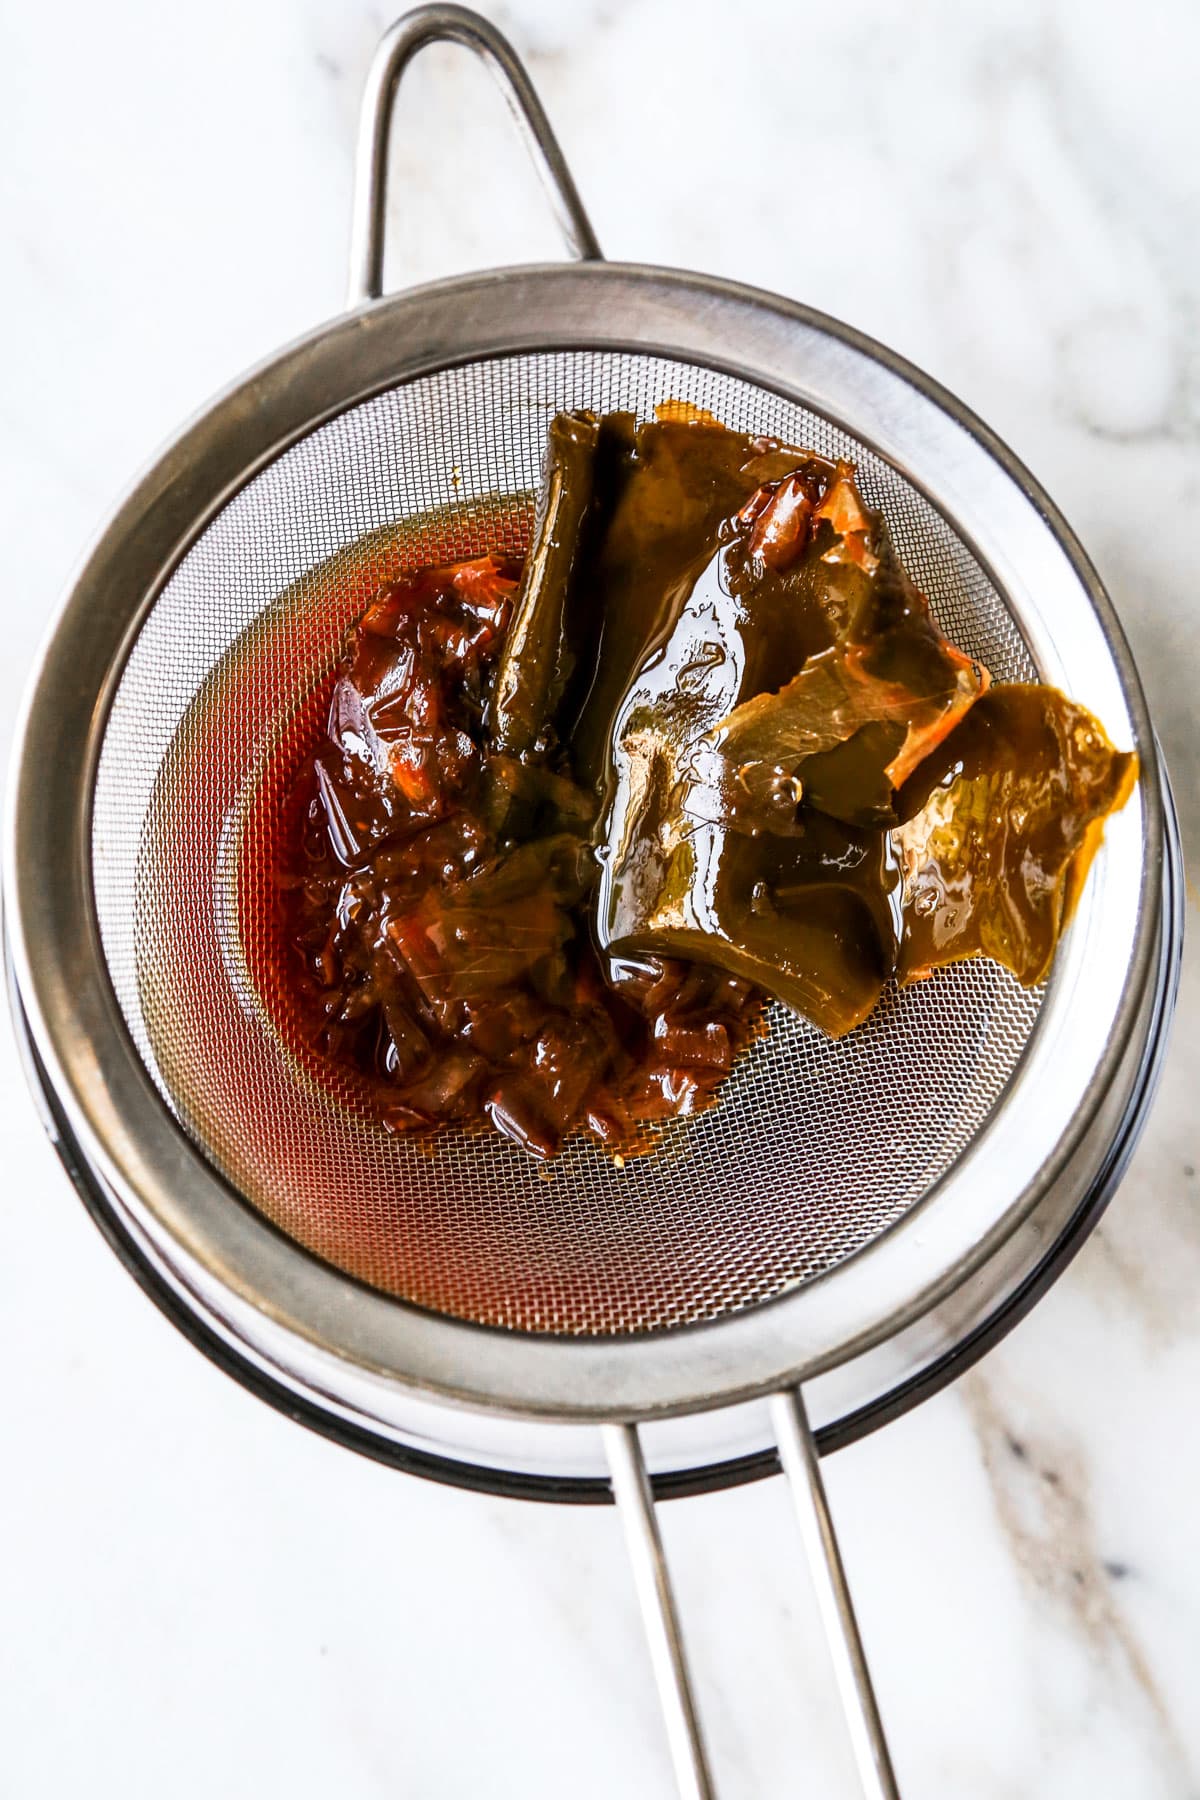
x: 546, y: 1059
x: 292, y: 633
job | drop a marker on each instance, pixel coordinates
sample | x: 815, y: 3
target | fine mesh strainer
x: 858, y: 1216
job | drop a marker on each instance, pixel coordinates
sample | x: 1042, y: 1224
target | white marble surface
x: 200, y: 1598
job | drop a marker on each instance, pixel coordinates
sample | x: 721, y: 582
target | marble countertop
x: 200, y: 1598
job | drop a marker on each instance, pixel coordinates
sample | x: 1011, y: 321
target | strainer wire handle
x: 410, y: 34
x: 635, y: 1503
x: 801, y: 1465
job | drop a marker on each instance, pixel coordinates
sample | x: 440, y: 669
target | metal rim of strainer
x: 226, y: 1259
x: 162, y: 1178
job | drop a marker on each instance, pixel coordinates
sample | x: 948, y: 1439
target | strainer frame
x: 114, y: 1111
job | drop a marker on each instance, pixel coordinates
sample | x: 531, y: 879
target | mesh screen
x: 814, y: 1148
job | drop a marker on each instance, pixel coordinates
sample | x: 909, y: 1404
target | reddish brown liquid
x: 427, y: 951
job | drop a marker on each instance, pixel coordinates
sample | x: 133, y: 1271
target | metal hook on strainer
x: 846, y: 1230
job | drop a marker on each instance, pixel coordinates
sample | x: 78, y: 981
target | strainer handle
x: 410, y: 34
x: 802, y: 1467
x: 635, y: 1503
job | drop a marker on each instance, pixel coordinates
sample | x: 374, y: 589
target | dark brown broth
x: 433, y: 899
